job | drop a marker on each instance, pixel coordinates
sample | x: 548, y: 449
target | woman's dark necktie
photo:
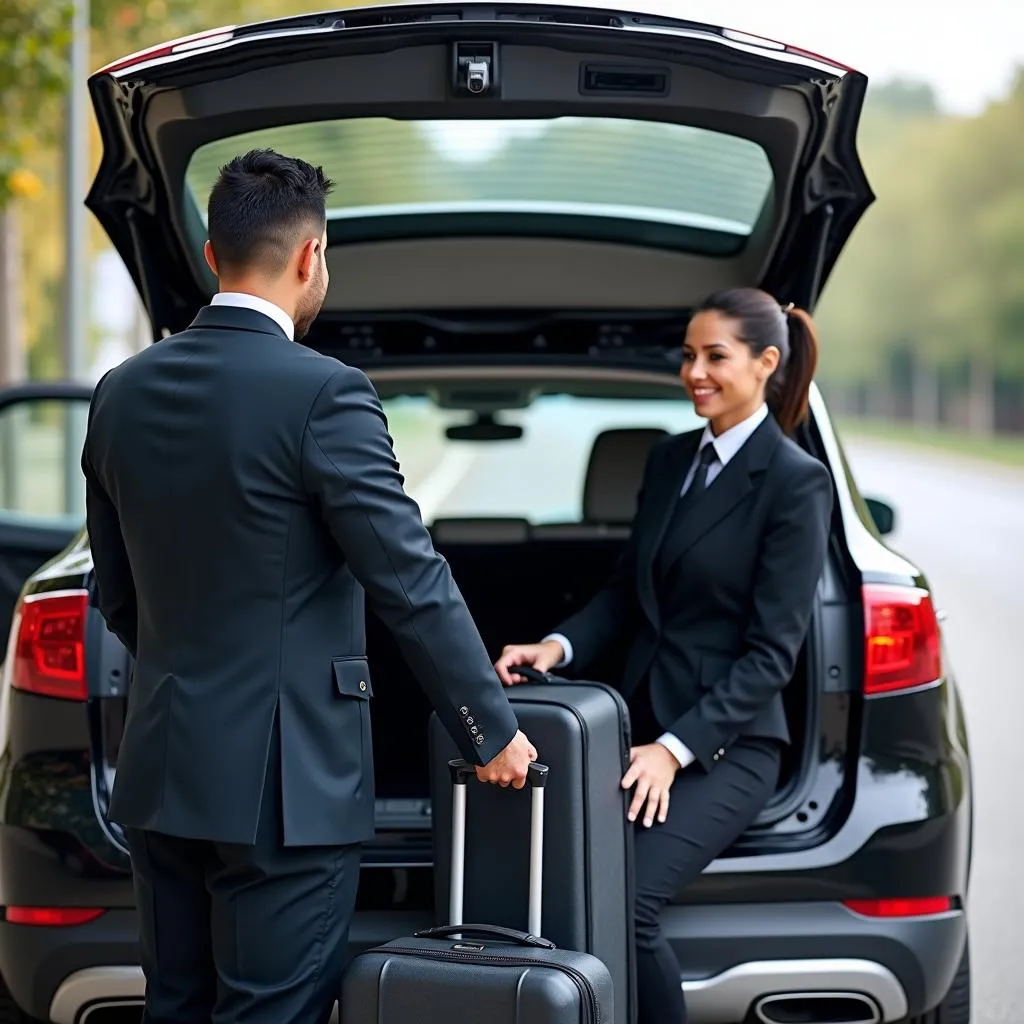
x: 689, y: 497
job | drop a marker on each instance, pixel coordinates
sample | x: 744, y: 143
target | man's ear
x: 309, y: 257
x: 211, y: 260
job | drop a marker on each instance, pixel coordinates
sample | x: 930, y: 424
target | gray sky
x: 968, y: 54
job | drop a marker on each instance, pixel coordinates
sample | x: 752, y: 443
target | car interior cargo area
x: 525, y: 556
x: 517, y: 591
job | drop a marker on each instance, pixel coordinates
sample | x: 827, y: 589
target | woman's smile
x: 703, y: 394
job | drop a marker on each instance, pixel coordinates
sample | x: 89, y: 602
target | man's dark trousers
x: 190, y: 889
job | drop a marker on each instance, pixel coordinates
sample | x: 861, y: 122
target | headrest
x: 615, y: 473
x: 479, y: 530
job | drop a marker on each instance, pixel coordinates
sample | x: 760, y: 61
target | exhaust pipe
x: 120, y: 1011
x: 817, y: 1008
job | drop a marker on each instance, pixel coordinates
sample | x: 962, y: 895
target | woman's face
x: 720, y: 372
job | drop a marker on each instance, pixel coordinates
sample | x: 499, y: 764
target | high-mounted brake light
x: 820, y: 57
x: 902, y: 645
x: 205, y: 38
x: 767, y: 43
x: 49, y: 644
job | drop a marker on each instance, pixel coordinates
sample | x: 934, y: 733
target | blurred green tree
x: 34, y: 35
x: 875, y: 295
x: 933, y: 279
x: 977, y: 314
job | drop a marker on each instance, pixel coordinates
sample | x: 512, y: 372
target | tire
x: 10, y: 1012
x: 955, y: 1008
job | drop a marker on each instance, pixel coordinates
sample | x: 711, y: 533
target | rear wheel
x: 956, y: 1007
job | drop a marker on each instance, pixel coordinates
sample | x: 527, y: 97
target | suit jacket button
x: 469, y: 721
x: 362, y: 684
x: 479, y: 740
x: 463, y: 711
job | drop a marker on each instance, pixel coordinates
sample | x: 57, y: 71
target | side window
x: 41, y: 480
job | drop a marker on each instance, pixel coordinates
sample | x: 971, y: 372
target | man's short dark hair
x: 259, y: 208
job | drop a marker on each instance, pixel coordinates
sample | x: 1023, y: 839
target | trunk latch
x: 475, y: 68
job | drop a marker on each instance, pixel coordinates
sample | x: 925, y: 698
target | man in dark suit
x: 243, y: 499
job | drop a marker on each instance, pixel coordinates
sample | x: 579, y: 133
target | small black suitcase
x: 479, y: 974
x: 582, y: 732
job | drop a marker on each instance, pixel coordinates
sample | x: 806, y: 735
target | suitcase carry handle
x: 536, y: 776
x: 490, y: 931
x: 532, y: 674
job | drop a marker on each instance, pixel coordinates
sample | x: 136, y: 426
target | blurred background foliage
x: 924, y: 316
x: 923, y: 319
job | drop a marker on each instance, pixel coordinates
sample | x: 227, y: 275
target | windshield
x: 538, y: 477
x: 596, y: 166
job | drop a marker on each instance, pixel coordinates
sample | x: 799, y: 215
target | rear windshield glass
x: 604, y: 167
x: 539, y: 476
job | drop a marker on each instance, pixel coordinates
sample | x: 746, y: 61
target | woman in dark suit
x: 714, y: 591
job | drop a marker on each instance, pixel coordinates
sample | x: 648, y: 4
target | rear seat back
x: 480, y: 530
x: 610, y: 490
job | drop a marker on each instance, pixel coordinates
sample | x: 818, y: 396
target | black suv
x: 529, y: 200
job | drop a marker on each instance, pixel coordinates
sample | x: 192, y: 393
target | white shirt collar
x: 254, y: 302
x: 730, y: 441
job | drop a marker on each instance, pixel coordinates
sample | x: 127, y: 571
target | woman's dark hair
x: 762, y: 322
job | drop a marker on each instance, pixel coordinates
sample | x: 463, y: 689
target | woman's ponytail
x: 789, y: 387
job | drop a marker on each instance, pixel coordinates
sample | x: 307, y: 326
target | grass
x: 1003, y: 449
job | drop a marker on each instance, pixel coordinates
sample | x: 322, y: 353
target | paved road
x: 963, y: 524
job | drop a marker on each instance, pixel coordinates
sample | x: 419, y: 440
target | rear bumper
x: 57, y: 968
x: 732, y: 957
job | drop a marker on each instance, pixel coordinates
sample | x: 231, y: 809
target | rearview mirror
x: 883, y: 514
x: 484, y: 428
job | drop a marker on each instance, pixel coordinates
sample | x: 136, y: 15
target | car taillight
x: 52, y: 917
x: 902, y: 647
x: 49, y: 645
x: 915, y: 906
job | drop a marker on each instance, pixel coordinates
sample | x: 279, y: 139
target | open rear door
x: 718, y: 157
x: 42, y: 490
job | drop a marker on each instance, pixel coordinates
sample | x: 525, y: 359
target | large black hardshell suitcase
x: 478, y: 974
x: 581, y: 731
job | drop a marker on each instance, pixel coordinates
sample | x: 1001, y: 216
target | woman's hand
x: 539, y: 656
x: 652, y: 769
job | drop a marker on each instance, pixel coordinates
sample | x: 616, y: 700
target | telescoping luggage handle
x: 462, y: 772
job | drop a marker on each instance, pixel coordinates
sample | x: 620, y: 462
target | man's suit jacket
x: 243, y: 498
x: 716, y: 599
